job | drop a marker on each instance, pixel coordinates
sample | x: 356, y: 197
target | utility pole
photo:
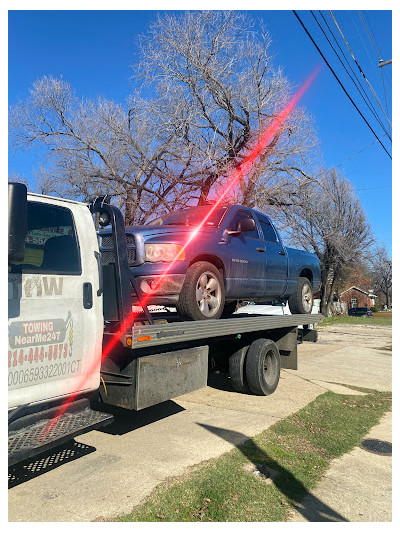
x: 383, y: 63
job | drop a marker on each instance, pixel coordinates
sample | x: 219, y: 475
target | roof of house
x: 360, y: 290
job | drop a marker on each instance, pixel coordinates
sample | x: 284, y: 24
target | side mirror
x: 17, y: 221
x: 246, y: 224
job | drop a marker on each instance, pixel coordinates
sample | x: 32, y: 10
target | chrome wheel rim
x: 208, y: 294
x: 307, y: 298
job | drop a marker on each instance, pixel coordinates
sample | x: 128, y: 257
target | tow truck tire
x: 203, y: 293
x: 301, y: 301
x: 237, y: 370
x: 263, y: 365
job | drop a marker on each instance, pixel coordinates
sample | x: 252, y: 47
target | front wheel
x: 301, y: 301
x: 203, y: 294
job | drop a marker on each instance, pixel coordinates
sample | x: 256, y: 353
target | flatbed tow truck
x: 75, y: 345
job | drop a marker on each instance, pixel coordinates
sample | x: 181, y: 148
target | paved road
x: 104, y: 473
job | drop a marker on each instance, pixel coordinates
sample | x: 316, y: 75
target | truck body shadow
x: 126, y: 420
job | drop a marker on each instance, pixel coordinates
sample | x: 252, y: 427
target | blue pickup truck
x: 236, y: 255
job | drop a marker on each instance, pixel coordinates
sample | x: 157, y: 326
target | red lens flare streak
x: 238, y: 174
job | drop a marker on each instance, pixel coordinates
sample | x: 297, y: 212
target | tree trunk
x: 129, y: 208
x: 248, y: 191
x: 205, y: 189
x: 324, y: 286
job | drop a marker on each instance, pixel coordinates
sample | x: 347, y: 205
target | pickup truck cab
x: 235, y: 254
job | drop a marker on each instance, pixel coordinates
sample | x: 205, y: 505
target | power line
x: 373, y: 188
x: 370, y: 36
x: 340, y: 83
x: 360, y: 69
x: 379, y: 58
x: 362, y: 40
x: 357, y: 153
x: 356, y: 80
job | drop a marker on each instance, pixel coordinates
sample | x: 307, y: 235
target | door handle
x: 281, y: 253
x: 100, y: 270
x: 260, y: 249
x: 87, y: 296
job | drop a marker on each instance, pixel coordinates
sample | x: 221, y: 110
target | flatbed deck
x: 173, y: 331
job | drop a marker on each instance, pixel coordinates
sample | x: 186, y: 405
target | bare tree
x: 97, y: 147
x: 17, y: 178
x: 381, y: 267
x: 211, y: 91
x: 221, y: 68
x: 355, y: 274
x: 326, y: 217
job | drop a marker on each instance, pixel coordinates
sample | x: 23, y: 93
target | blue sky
x: 93, y: 51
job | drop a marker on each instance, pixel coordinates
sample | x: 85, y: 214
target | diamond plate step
x: 33, y: 439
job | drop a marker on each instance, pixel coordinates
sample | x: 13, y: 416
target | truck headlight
x: 164, y: 252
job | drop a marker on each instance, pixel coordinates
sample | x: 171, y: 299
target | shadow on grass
x: 313, y: 509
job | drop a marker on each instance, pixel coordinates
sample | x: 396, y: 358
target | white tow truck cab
x: 74, y: 342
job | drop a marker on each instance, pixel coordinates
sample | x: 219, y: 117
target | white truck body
x: 54, y: 344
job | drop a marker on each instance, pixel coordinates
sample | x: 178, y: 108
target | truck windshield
x: 192, y: 217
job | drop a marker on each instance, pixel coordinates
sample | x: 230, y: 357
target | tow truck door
x: 55, y: 313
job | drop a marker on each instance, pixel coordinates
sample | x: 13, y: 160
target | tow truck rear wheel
x: 263, y: 365
x: 203, y: 293
x: 237, y: 370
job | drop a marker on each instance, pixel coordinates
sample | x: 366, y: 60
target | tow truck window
x: 51, y: 245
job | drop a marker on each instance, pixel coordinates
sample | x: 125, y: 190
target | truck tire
x: 203, y: 293
x: 229, y: 308
x: 301, y: 301
x: 237, y: 370
x: 263, y: 365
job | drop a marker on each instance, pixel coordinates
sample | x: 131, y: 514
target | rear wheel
x: 203, y: 294
x: 263, y: 365
x: 301, y: 301
x: 237, y: 370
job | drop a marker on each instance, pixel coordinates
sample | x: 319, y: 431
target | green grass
x: 298, y: 448
x: 379, y: 319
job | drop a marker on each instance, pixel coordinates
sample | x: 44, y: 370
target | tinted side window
x: 244, y: 214
x: 51, y: 244
x: 267, y: 229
